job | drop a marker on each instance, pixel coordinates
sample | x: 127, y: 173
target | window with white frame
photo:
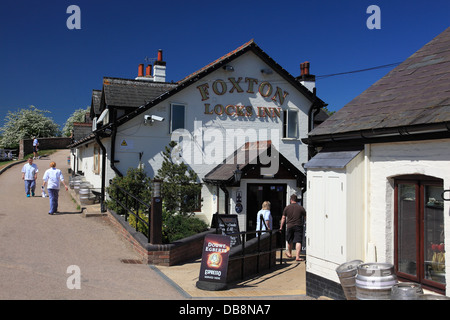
x: 96, y: 160
x: 290, y: 124
x: 177, y: 116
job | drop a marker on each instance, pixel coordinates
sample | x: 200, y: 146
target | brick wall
x: 26, y: 145
x: 191, y: 248
x: 159, y: 254
x: 317, y: 286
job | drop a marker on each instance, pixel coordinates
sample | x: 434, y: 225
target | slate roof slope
x: 246, y: 157
x: 132, y: 93
x: 95, y: 103
x: 417, y: 92
x: 246, y: 154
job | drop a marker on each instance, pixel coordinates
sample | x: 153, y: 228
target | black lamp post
x: 156, y: 214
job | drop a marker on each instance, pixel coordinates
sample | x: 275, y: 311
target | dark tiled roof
x: 95, y: 103
x: 332, y: 159
x: 417, y: 92
x: 248, y: 153
x: 132, y: 93
x: 246, y: 158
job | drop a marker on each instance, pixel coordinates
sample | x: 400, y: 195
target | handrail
x: 128, y: 210
x: 258, y: 252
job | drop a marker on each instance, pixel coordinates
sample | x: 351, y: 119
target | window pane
x: 292, y: 124
x: 177, y: 117
x: 407, y: 229
x: 434, y: 234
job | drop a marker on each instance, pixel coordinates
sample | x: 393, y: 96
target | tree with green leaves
x: 180, y: 188
x: 78, y: 115
x: 26, y: 124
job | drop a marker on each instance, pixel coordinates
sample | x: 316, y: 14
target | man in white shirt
x: 29, y: 176
x: 35, y: 148
x: 53, y: 177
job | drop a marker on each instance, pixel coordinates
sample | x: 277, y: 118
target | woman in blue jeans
x: 53, y: 177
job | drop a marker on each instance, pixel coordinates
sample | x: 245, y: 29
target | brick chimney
x: 148, y: 73
x: 159, y: 68
x: 305, y: 78
x: 141, y: 70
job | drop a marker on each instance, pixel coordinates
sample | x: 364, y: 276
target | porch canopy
x: 332, y: 159
x: 249, y: 159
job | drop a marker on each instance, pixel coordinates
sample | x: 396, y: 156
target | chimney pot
x: 141, y: 70
x: 302, y: 69
x: 160, y: 57
x: 148, y: 71
x: 306, y: 68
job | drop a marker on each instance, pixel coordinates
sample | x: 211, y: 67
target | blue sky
x: 43, y: 63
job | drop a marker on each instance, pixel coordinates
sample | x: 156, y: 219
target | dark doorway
x: 257, y: 194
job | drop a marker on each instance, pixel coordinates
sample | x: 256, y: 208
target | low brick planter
x: 160, y: 254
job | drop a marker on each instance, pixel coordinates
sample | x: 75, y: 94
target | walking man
x: 294, y: 215
x: 35, y: 148
x: 53, y: 177
x: 29, y: 176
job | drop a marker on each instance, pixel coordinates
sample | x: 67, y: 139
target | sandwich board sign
x: 214, y: 265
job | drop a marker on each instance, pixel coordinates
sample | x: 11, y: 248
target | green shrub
x: 136, y: 183
x: 178, y: 226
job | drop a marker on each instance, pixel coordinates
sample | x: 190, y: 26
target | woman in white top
x: 53, y: 177
x: 267, y: 217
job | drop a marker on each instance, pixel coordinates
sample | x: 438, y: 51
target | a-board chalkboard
x: 228, y: 224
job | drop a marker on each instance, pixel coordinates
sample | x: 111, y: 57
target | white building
x: 377, y: 187
x: 237, y: 108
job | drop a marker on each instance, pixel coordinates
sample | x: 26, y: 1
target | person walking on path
x: 53, y: 177
x: 29, y: 176
x: 266, y: 216
x: 35, y: 148
x: 294, y: 215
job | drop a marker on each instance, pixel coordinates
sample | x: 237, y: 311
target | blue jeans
x: 30, y: 186
x: 53, y: 196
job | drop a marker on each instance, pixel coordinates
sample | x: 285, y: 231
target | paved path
x: 36, y: 249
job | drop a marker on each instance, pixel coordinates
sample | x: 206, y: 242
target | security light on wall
x: 152, y: 118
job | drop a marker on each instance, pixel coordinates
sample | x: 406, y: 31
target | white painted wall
x: 135, y: 137
x: 379, y: 164
x: 430, y: 158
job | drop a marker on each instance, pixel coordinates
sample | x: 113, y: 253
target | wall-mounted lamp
x: 237, y: 174
x: 228, y: 68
